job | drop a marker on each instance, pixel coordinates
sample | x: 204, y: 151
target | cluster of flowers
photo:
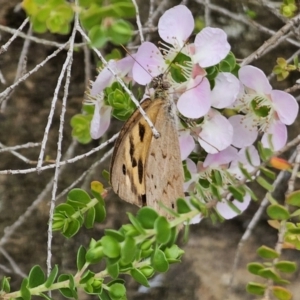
x: 259, y: 109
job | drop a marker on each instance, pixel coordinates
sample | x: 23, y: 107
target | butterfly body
x: 146, y: 170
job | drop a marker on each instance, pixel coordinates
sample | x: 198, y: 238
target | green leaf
x: 295, y: 230
x: 78, y: 198
x: 173, y: 252
x: 69, y: 292
x: 100, y: 212
x: 86, y: 277
x: 163, y: 230
x: 265, y: 153
x: 103, y: 295
x: 94, y: 255
x: 245, y: 171
x: 269, y: 273
x: 113, y: 270
x: 90, y: 218
x: 98, y: 36
x: 117, y: 235
x: 256, y: 288
x: 25, y: 292
x: 111, y: 247
x: 120, y: 32
x: 81, y: 128
x: 147, y: 216
x: 281, y: 293
x: 80, y: 261
x: 65, y: 209
x: 117, y: 291
x: 139, y: 277
x: 36, y: 277
x: 45, y: 296
x: 237, y: 192
x: 278, y: 212
x: 135, y: 222
x: 128, y: 250
x: 147, y: 271
x: 52, y: 276
x: 266, y: 185
x: 269, y: 173
x: 225, y: 66
x: 182, y: 206
x: 286, y: 266
x: 293, y: 198
x: 254, y: 268
x: 266, y: 252
x: 5, y: 286
x: 72, y: 228
x: 159, y: 261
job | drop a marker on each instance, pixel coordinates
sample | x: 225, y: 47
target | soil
x: 209, y: 253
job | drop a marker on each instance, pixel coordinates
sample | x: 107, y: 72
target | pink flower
x: 105, y: 78
x: 265, y: 110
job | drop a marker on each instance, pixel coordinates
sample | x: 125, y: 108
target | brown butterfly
x: 146, y: 170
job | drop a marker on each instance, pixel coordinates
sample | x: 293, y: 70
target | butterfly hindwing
x: 130, y: 154
x: 164, y: 175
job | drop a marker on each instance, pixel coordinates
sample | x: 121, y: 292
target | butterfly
x: 146, y: 170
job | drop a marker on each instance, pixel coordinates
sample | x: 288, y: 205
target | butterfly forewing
x: 130, y: 154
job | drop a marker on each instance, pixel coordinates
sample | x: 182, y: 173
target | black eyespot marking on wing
x: 173, y: 206
x: 141, y: 131
x: 133, y: 162
x: 140, y: 170
x: 144, y: 200
x: 131, y: 149
x: 124, y: 169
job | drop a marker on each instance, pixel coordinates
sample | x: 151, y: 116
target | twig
x: 66, y: 68
x: 18, y: 147
x: 271, y: 41
x: 8, y: 231
x: 22, y: 65
x: 68, y: 161
x: 138, y: 20
x: 15, y: 35
x: 24, y: 77
x: 36, y: 39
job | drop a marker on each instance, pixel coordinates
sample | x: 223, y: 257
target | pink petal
x: 100, y: 121
x: 227, y: 213
x: 173, y: 31
x: 277, y: 133
x: 104, y: 79
x: 211, y: 47
x: 242, y: 158
x: 244, y: 134
x: 149, y: 63
x: 187, y: 144
x: 124, y: 65
x: 191, y: 166
x: 226, y: 89
x: 221, y: 158
x: 255, y: 79
x: 195, y: 101
x: 286, y: 106
x: 216, y: 134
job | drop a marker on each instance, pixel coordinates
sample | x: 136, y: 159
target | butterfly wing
x: 164, y: 172
x: 127, y: 172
